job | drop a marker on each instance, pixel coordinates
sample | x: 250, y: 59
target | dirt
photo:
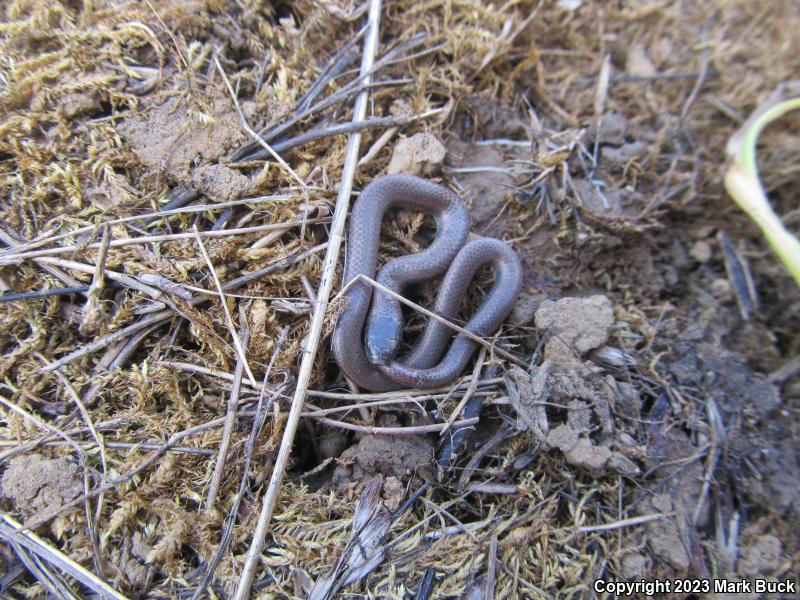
x: 584, y: 431
x: 481, y: 173
x: 33, y: 483
x: 421, y: 154
x: 401, y: 457
x: 574, y: 326
x: 183, y: 144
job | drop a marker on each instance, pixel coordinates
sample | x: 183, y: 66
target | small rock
x: 139, y: 547
x: 81, y: 103
x: 701, y: 251
x: 663, y: 535
x: 393, y: 493
x: 332, y: 443
x: 582, y: 323
x: 485, y: 191
x: 420, y: 154
x: 720, y: 288
x: 701, y: 232
x: 35, y: 483
x: 588, y: 456
x: 579, y: 416
x: 628, y: 401
x: 563, y: 437
x: 607, y: 203
x: 400, y: 457
x: 623, y: 465
x: 219, y: 182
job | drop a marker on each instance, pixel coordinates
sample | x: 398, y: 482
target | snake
x: 368, y: 331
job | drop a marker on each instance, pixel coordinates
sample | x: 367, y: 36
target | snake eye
x: 381, y: 339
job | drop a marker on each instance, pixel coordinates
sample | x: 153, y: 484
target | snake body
x: 368, y: 330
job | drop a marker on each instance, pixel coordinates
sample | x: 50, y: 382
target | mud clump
x: 387, y: 455
x: 585, y: 431
x: 35, y: 483
x: 172, y: 140
x: 576, y: 326
x: 421, y: 154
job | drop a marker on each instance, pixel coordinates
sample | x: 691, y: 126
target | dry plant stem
x: 98, y: 278
x: 237, y: 342
x: 36, y: 243
x: 490, y: 487
x: 147, y: 239
x: 633, y: 521
x: 15, y: 297
x: 252, y: 133
x: 86, y: 418
x: 177, y: 198
x: 473, y: 386
x: 32, y: 445
x: 644, y: 78
x: 318, y: 318
x: 85, y: 444
x: 171, y: 36
x: 110, y: 338
x: 36, y: 421
x: 698, y: 84
x: 159, y: 317
x: 418, y: 400
x: 428, y: 394
x: 129, y: 348
x: 378, y: 145
x: 418, y: 430
x: 717, y: 433
x: 12, y: 531
x: 45, y: 515
x: 475, y: 459
x: 444, y: 513
x: 91, y: 523
x: 55, y: 272
x: 432, y: 315
x: 258, y: 423
x: 120, y: 278
x: 789, y: 369
x: 52, y: 582
x: 230, y: 416
x: 339, y: 129
x: 334, y: 67
x: 248, y: 151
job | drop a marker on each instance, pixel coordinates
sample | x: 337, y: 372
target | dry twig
x: 230, y: 416
x: 237, y: 342
x: 317, y: 320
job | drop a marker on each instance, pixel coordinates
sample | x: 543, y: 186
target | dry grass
x: 71, y: 73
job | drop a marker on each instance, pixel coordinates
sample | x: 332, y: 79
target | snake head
x: 382, y: 338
